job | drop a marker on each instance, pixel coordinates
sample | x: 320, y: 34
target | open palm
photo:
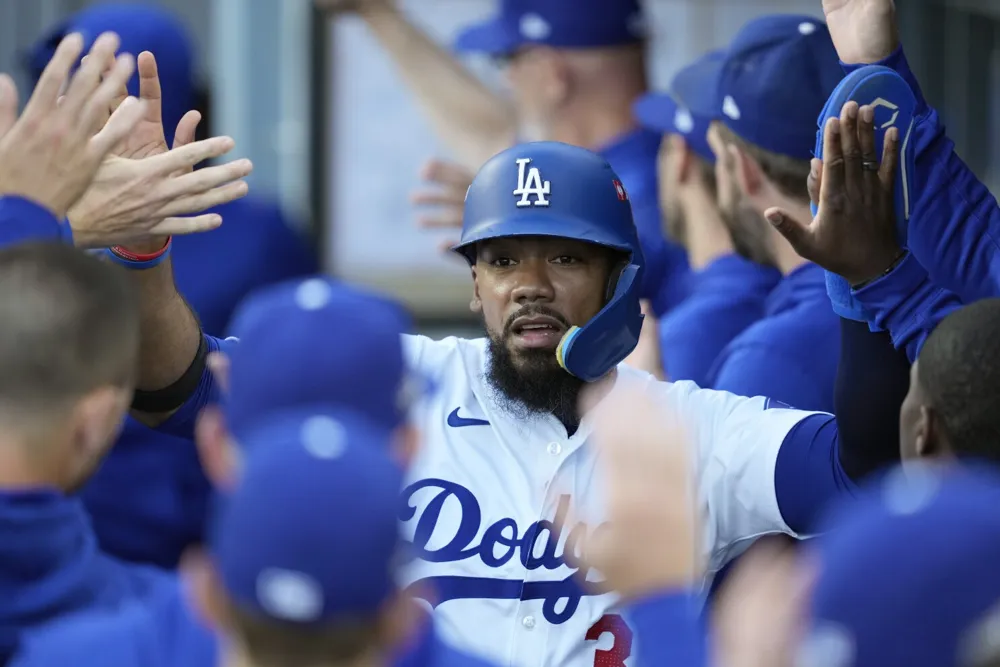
x: 864, y: 31
x: 148, y: 137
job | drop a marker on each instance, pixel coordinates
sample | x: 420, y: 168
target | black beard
x: 535, y: 383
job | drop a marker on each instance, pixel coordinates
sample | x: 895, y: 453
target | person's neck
x: 706, y: 236
x: 594, y: 126
x: 785, y: 258
x: 235, y: 657
x: 19, y: 471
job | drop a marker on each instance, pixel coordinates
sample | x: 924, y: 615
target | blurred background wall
x: 332, y: 132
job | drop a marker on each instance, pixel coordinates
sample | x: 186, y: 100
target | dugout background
x: 318, y: 108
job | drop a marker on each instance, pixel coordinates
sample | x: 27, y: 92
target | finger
x: 179, y: 226
x: 866, y: 134
x: 149, y: 86
x: 798, y: 234
x: 833, y: 161
x: 205, y: 179
x: 815, y: 180
x: 93, y: 113
x: 121, y: 94
x: 437, y: 198
x: 187, y: 157
x: 50, y: 84
x: 8, y: 104
x: 446, y: 173
x: 444, y: 220
x: 187, y: 129
x: 890, y: 158
x: 88, y: 77
x: 849, y: 144
x: 218, y: 364
x: 121, y: 123
x: 446, y: 246
x: 202, y: 201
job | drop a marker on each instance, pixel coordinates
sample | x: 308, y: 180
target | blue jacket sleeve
x: 669, y: 629
x: 954, y: 225
x: 23, y: 220
x: 181, y: 423
x: 907, y: 304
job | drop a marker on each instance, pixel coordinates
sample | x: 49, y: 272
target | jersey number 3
x: 621, y: 634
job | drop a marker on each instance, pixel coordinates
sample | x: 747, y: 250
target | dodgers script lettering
x: 500, y: 543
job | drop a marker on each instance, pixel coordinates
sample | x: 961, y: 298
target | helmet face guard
x: 558, y: 190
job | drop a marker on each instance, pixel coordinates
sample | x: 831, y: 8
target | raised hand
x: 854, y: 231
x: 134, y: 200
x: 53, y: 151
x: 651, y: 541
x: 864, y: 31
x: 141, y: 192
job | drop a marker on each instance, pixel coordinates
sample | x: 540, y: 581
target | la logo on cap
x: 534, y: 27
x: 683, y: 121
x: 530, y: 184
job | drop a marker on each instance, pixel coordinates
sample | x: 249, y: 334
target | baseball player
x: 555, y: 266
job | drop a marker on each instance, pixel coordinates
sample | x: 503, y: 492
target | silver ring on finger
x: 869, y: 165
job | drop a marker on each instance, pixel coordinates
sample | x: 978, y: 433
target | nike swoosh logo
x: 458, y: 422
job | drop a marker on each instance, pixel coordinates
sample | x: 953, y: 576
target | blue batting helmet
x: 553, y: 189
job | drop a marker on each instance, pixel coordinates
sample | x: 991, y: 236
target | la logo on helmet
x: 530, y: 184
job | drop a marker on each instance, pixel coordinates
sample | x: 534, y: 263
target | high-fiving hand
x: 142, y: 190
x: 864, y: 31
x: 854, y: 231
x: 652, y: 539
x: 51, y: 154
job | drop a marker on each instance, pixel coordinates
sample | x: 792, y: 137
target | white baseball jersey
x: 483, y: 491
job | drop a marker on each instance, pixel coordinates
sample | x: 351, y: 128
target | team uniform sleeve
x: 907, y: 304
x: 737, y: 440
x: 181, y: 423
x: 23, y: 220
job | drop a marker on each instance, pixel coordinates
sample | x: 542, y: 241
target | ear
x: 476, y: 305
x: 686, y: 159
x: 928, y: 435
x: 748, y: 174
x: 202, y: 588
x: 99, y: 417
x: 218, y: 455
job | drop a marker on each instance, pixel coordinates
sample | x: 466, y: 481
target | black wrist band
x: 172, y: 397
x: 892, y: 267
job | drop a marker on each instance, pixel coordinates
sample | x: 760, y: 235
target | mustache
x: 529, y: 311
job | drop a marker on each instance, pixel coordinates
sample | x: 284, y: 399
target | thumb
x: 8, y: 104
x: 187, y: 129
x: 796, y: 233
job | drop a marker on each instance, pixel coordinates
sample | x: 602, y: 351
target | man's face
x: 529, y: 74
x: 748, y: 228
x: 531, y: 290
x: 668, y: 171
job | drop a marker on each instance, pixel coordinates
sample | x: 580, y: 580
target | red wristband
x: 130, y: 256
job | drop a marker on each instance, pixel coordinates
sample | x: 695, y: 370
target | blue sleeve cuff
x: 181, y: 423
x: 23, y: 220
x: 669, y: 629
x: 907, y: 304
x: 897, y: 62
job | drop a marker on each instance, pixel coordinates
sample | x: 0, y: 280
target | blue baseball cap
x: 671, y: 113
x: 310, y: 533
x: 318, y: 342
x: 774, y: 80
x: 909, y: 572
x: 571, y: 24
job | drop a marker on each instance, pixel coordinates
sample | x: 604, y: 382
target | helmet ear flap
x: 616, y: 274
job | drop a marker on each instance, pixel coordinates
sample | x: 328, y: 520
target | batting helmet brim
x: 539, y: 225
